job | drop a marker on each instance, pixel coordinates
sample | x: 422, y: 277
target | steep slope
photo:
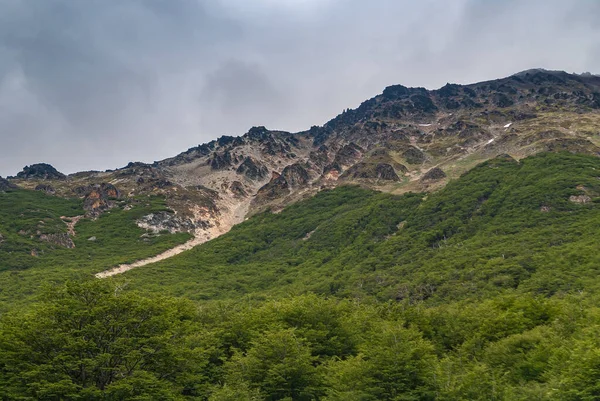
x: 505, y: 226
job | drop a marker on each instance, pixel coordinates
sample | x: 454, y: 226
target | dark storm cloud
x: 96, y: 83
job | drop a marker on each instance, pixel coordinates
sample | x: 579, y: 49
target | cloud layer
x: 94, y: 84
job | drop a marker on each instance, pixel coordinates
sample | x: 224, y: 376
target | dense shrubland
x: 97, y: 341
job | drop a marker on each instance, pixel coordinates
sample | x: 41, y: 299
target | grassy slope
x: 484, y: 234
x: 24, y: 213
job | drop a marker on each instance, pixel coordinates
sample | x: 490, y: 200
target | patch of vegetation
x: 26, y: 261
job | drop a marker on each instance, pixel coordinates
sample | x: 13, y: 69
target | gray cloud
x: 93, y: 84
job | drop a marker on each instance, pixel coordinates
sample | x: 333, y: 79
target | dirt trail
x: 236, y: 215
x: 197, y: 240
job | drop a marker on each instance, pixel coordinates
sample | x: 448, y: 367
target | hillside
x: 428, y: 245
x: 504, y: 226
x: 484, y: 290
x: 405, y: 139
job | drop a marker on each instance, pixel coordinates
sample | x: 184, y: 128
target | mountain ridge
x: 390, y: 143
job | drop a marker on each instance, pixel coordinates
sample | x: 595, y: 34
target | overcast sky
x: 94, y: 84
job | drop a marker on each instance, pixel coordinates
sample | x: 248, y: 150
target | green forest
x: 487, y: 289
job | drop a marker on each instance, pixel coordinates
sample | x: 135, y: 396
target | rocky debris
x: 253, y: 169
x: 46, y: 188
x: 375, y: 171
x: 165, y: 221
x: 1, y: 238
x: 278, y: 186
x: 414, y: 156
x: 237, y: 189
x: 295, y: 175
x: 6, y: 185
x: 92, y: 239
x: 59, y: 239
x: 582, y: 199
x: 41, y: 171
x: 434, y: 174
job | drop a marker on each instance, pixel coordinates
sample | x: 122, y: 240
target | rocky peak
x: 41, y: 171
x: 258, y: 133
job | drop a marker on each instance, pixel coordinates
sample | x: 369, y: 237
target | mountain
x: 405, y: 139
x: 429, y: 245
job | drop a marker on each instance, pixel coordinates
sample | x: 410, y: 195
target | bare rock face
x: 60, y: 239
x: 278, y: 186
x: 348, y: 154
x: 295, y: 175
x: 164, y: 221
x: 46, y: 188
x: 221, y: 161
x: 41, y: 171
x: 434, y: 174
x: 98, y: 198
x: 253, y: 169
x: 6, y: 185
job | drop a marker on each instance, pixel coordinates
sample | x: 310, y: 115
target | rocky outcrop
x: 41, y: 171
x: 295, y: 175
x: 238, y: 190
x: 583, y: 199
x: 414, y: 156
x: 98, y: 198
x: 435, y: 174
x: 278, y: 186
x: 373, y: 171
x: 49, y: 189
x: 164, y: 221
x: 6, y: 185
x: 253, y: 169
x: 221, y: 161
x: 59, y: 239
